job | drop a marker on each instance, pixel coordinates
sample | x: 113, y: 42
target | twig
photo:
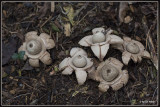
x: 154, y: 93
x: 86, y: 15
x: 62, y: 47
x: 148, y: 36
x: 17, y: 97
x: 78, y: 11
x: 65, y: 13
x: 46, y: 21
x: 83, y: 18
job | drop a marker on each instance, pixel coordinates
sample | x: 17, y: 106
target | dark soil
x: 24, y: 85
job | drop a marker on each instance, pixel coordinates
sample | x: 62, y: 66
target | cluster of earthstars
x: 109, y: 72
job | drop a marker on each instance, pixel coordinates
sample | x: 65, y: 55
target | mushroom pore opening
x: 31, y: 45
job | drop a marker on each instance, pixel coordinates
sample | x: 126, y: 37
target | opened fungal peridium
x: 99, y: 41
x: 78, y: 62
x: 35, y: 48
x: 110, y: 74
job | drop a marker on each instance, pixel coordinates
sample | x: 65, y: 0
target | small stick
x: 46, y: 21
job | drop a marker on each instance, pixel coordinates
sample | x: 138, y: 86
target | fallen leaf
x: 133, y: 102
x: 19, y: 73
x: 67, y: 52
x: 148, y: 9
x: 75, y: 93
x: 4, y: 74
x: 8, y: 50
x: 70, y: 14
x: 45, y: 30
x: 150, y: 44
x: 20, y: 55
x: 67, y: 29
x: 6, y: 94
x: 138, y: 38
x: 131, y: 8
x: 54, y: 27
x: 154, y: 57
x: 56, y: 68
x: 123, y: 7
x: 4, y: 13
x: 43, y: 9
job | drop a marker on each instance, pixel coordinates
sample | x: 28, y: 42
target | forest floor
x: 25, y: 85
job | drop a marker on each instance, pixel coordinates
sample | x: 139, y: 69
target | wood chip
x: 52, y: 6
x: 67, y: 29
x: 127, y: 19
x: 52, y: 73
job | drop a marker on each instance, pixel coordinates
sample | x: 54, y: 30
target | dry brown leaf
x: 150, y: 44
x: 67, y: 29
x: 70, y: 14
x: 43, y: 9
x: 154, y: 57
x: 123, y: 7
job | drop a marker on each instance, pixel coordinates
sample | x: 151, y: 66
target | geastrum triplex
x: 78, y: 62
x: 100, y: 41
x: 131, y: 49
x: 109, y: 73
x: 35, y: 48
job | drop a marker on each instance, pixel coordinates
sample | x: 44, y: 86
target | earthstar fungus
x: 35, y: 48
x: 100, y: 41
x: 132, y: 49
x: 78, y: 62
x: 110, y: 74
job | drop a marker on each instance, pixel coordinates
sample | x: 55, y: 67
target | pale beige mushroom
x: 35, y: 48
x: 132, y: 49
x: 100, y: 41
x: 110, y: 74
x: 78, y: 62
